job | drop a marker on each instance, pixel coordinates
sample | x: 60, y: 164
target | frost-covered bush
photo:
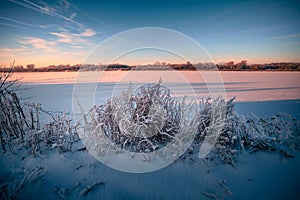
x: 141, y: 120
x: 277, y: 133
x: 21, y: 125
x: 12, y: 117
x: 238, y: 133
x: 58, y: 132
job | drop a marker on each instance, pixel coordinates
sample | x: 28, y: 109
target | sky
x: 65, y: 32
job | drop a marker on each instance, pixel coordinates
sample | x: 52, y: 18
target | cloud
x: 29, y: 44
x: 40, y: 44
x: 14, y: 21
x: 88, y: 33
x: 12, y: 25
x: 39, y: 8
x: 63, y: 37
x: 297, y: 35
x: 65, y: 3
x: 44, y: 8
x: 73, y: 38
x: 42, y: 53
x: 90, y: 16
x: 63, y: 10
x: 11, y: 52
x: 67, y: 37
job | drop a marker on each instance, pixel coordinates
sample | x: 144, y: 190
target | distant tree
x: 241, y: 65
x: 229, y: 64
x: 244, y: 62
x: 30, y: 66
x: 18, y: 68
x: 156, y: 64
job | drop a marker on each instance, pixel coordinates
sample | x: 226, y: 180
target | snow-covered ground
x: 77, y: 175
x: 54, y: 89
x: 262, y: 175
x: 246, y: 86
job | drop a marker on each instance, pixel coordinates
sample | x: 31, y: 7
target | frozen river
x: 264, y: 93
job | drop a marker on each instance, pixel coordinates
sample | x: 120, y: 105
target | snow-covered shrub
x: 58, y: 132
x: 21, y: 125
x: 277, y: 133
x: 238, y: 133
x: 12, y: 117
x: 141, y: 120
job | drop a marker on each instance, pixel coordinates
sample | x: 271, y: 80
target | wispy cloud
x: 42, y: 53
x: 73, y: 38
x: 65, y: 3
x: 13, y: 25
x: 63, y: 10
x: 44, y: 8
x: 88, y: 33
x: 40, y: 44
x: 9, y: 54
x: 90, y: 16
x: 16, y: 22
x: 297, y: 35
x: 64, y: 37
x: 10, y: 50
x: 70, y: 31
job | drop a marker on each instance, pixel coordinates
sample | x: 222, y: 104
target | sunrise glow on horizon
x: 65, y: 32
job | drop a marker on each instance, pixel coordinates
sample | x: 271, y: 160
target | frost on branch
x: 212, y: 120
x: 235, y: 133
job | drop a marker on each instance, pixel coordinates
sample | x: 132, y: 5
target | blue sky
x: 62, y: 32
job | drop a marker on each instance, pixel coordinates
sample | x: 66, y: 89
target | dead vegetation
x: 11, y: 114
x: 238, y: 133
x: 21, y: 125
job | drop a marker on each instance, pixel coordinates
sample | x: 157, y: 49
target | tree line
x: 227, y: 66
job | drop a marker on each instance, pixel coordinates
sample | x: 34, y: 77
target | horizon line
x: 155, y: 63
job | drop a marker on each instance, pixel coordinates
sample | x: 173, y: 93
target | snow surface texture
x: 246, y: 86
